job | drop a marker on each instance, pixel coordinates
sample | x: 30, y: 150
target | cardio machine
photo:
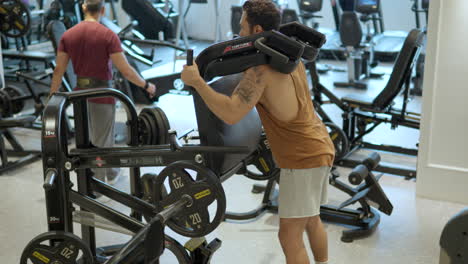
x: 359, y: 47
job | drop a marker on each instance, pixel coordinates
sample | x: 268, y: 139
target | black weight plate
x: 205, y: 189
x: 15, y: 18
x: 5, y: 103
x: 67, y: 249
x: 340, y: 141
x: 3, y: 106
x: 160, y: 124
x: 149, y: 126
x: 148, y: 140
x: 166, y: 125
x: 154, y: 125
x: 163, y: 124
x: 14, y: 92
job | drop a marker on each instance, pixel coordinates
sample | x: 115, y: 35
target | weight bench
x: 28, y: 55
x: 364, y: 112
x: 361, y: 111
x: 26, y: 156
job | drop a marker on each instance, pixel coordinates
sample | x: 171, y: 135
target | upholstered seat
x: 214, y: 132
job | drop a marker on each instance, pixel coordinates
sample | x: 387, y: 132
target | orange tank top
x: 303, y: 142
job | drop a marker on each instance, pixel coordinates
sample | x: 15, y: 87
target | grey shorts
x: 302, y: 192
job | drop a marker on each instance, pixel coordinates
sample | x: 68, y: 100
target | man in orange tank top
x: 298, y: 139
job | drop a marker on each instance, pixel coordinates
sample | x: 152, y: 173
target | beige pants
x: 302, y: 192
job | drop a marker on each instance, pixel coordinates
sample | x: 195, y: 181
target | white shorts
x: 302, y: 192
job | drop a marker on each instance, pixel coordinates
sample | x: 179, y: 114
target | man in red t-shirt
x: 92, y: 49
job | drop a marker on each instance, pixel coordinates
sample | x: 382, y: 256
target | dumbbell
x: 361, y: 171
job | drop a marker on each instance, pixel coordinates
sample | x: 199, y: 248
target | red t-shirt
x: 89, y: 45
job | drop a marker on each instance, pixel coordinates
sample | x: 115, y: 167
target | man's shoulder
x: 105, y: 29
x: 84, y: 26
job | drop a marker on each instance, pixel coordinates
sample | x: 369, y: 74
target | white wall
x: 443, y: 159
x: 201, y: 17
x: 200, y: 21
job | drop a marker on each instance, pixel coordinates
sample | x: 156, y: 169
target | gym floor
x: 410, y: 235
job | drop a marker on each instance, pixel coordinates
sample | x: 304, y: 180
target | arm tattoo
x: 246, y: 89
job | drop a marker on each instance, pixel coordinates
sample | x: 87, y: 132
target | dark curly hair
x: 263, y: 13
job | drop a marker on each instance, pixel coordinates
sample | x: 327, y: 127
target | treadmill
x: 387, y: 43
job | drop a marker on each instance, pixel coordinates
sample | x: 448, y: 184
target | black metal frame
x: 58, y: 162
x: 25, y: 156
x: 352, y: 120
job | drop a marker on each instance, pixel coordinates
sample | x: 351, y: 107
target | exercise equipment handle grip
x: 50, y: 179
x: 275, y: 55
x: 372, y: 161
x: 190, y: 57
x: 358, y: 174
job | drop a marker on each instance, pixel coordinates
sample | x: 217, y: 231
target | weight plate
x: 205, y: 189
x: 166, y: 124
x: 340, y: 141
x: 163, y: 124
x: 14, y: 92
x: 5, y: 104
x: 15, y: 18
x: 154, y: 125
x: 147, y: 130
x: 56, y: 247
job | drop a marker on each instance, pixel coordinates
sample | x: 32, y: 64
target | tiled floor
x: 409, y: 235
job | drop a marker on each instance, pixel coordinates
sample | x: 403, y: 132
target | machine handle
x: 275, y: 55
x: 190, y: 57
x: 372, y: 161
x: 358, y: 174
x: 51, y: 174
